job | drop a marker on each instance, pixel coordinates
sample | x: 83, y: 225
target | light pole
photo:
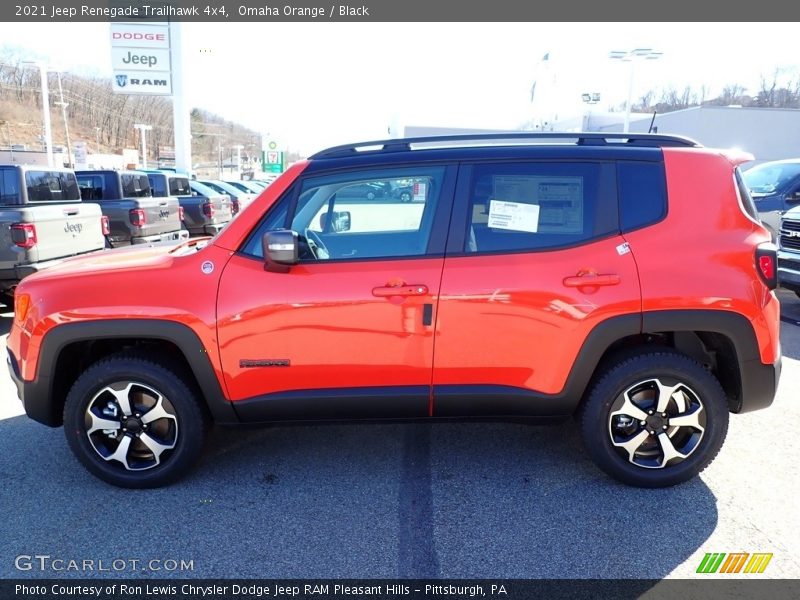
x: 590, y: 99
x: 48, y: 132
x: 142, y: 131
x: 631, y: 56
x: 64, y: 106
x: 239, y: 159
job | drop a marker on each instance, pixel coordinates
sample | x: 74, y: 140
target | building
x: 767, y: 133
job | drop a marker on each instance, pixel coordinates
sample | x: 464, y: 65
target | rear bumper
x: 12, y: 276
x: 172, y: 236
x: 208, y: 229
x: 789, y: 270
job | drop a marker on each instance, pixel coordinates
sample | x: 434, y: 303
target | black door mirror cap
x: 280, y: 250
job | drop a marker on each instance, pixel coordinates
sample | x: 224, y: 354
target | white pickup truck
x: 43, y: 221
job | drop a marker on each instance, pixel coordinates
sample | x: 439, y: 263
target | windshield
x: 769, y: 177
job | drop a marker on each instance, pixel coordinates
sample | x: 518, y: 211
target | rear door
x: 348, y: 331
x: 535, y: 261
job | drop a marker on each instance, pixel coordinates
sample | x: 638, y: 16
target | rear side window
x: 642, y: 193
x: 9, y: 186
x: 179, y: 186
x: 538, y: 206
x: 135, y: 186
x: 51, y: 186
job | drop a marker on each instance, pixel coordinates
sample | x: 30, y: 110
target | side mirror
x: 341, y: 221
x: 280, y: 250
x: 793, y: 197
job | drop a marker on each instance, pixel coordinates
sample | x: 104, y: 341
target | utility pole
x: 48, y: 132
x: 142, y: 131
x: 64, y: 106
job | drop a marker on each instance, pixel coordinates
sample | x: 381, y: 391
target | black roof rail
x: 582, y: 139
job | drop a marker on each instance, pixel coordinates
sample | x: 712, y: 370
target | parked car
x: 260, y: 183
x: 134, y: 216
x: 245, y: 186
x: 239, y: 199
x: 775, y: 188
x: 43, y: 221
x: 204, y: 213
x: 789, y: 251
x: 557, y: 278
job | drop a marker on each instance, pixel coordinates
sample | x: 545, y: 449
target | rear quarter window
x: 642, y: 190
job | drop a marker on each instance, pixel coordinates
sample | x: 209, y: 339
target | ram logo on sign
x: 142, y: 82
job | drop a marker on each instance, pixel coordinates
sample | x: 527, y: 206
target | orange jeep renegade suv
x: 623, y: 279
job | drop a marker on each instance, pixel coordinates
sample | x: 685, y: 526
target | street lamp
x: 142, y: 131
x: 48, y: 132
x: 631, y: 56
x: 590, y: 99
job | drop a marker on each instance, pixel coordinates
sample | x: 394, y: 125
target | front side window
x: 534, y: 206
x: 356, y: 215
x: 768, y: 178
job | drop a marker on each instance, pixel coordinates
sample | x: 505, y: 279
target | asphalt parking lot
x: 460, y: 500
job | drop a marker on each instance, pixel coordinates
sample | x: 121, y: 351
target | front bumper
x: 34, y: 395
x: 789, y: 270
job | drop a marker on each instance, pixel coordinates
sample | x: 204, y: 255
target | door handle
x: 386, y: 291
x: 592, y: 279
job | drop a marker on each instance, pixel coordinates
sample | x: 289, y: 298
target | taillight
x: 137, y: 216
x: 181, y: 213
x: 104, y: 225
x: 234, y: 206
x: 24, y: 235
x: 767, y: 264
x: 208, y: 209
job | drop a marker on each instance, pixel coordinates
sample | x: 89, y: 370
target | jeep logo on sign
x: 73, y: 228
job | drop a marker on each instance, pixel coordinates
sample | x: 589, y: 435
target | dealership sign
x: 140, y: 58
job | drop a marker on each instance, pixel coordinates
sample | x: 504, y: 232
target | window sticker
x: 559, y: 199
x: 515, y: 216
x: 420, y: 191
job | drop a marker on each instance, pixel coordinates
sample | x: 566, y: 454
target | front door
x: 348, y: 332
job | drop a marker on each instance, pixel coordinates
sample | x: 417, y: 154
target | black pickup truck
x: 135, y: 216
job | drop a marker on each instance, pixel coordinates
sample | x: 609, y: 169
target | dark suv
x: 538, y: 278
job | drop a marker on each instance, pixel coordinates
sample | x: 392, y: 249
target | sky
x: 313, y: 85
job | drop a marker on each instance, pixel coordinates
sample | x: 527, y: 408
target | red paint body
x: 515, y: 319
